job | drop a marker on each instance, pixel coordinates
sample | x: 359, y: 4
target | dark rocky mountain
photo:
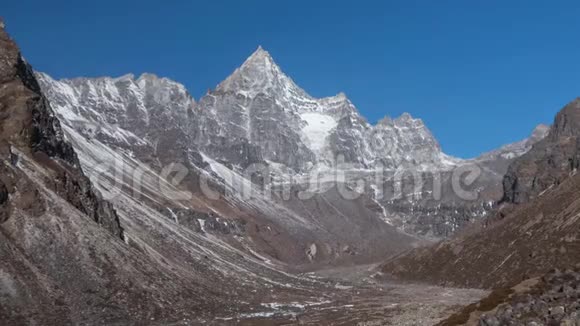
x: 550, y: 161
x: 29, y: 127
x: 536, y: 237
x: 538, y: 234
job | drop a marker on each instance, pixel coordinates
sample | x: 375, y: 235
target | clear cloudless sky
x: 479, y: 73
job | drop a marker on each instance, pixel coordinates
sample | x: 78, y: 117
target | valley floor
x: 359, y: 297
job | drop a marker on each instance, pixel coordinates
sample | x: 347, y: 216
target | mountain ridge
x: 259, y: 116
x: 262, y: 55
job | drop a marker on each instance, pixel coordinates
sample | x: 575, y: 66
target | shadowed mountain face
x: 29, y: 127
x: 539, y: 234
x: 549, y: 162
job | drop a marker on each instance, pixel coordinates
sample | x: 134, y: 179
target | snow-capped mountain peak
x: 337, y: 100
x: 123, y: 110
x: 404, y: 119
x: 407, y: 117
x: 258, y: 112
x: 261, y: 57
x: 260, y: 74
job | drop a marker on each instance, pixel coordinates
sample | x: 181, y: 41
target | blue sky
x: 479, y: 73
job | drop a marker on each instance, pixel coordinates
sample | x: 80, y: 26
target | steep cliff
x: 28, y: 126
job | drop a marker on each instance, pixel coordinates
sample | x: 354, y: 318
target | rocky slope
x: 527, y: 239
x: 536, y: 237
x: 548, y: 300
x: 553, y: 300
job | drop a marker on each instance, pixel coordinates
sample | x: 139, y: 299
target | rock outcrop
x: 553, y: 299
x: 29, y: 126
x: 549, y: 162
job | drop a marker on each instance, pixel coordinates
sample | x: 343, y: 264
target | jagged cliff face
x: 60, y: 242
x: 125, y: 112
x: 260, y: 105
x: 549, y: 162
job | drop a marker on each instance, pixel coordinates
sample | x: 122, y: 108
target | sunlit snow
x: 317, y: 129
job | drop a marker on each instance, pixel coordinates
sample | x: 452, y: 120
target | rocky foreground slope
x: 553, y: 299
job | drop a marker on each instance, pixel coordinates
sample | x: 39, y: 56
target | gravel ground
x: 360, y: 297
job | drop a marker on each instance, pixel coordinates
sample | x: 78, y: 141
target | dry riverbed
x: 355, y: 296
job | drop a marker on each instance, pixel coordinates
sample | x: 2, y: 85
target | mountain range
x: 127, y: 201
x: 259, y: 116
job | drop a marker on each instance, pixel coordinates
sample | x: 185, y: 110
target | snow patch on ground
x: 376, y: 194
